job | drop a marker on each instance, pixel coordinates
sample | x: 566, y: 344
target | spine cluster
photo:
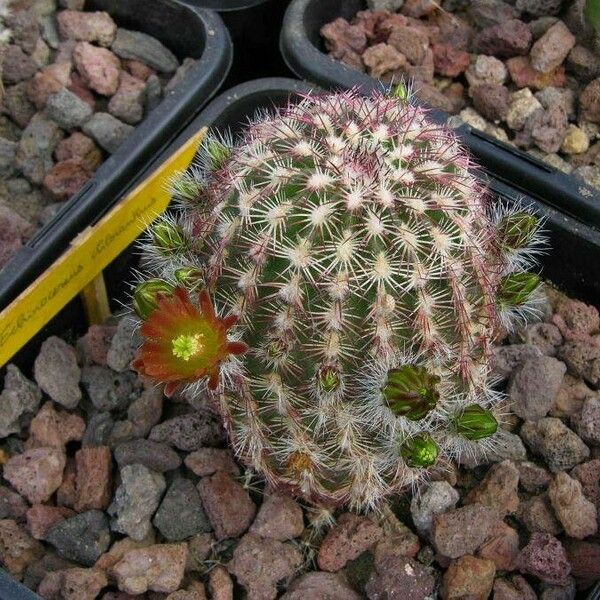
x: 356, y: 249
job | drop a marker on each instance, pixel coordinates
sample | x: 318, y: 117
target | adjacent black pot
x: 254, y: 27
x: 187, y: 31
x: 303, y: 51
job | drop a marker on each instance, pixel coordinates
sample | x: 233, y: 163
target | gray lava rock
x: 507, y: 358
x: 68, y: 110
x: 400, y: 577
x: 180, y: 515
x: 154, y: 455
x: 107, y: 131
x: 98, y: 429
x: 24, y: 29
x: 588, y: 423
x: 108, y: 390
x: 82, y: 538
x: 17, y: 66
x: 189, y: 432
x: 123, y: 345
x: 583, y: 360
x: 142, y: 47
x: 57, y: 373
x: 19, y: 401
x: 136, y: 500
x: 439, y: 497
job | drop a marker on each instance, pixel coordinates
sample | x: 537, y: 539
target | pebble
x: 259, y: 564
x: 99, y: 67
x: 576, y: 513
x: 136, y: 500
x: 502, y: 548
x: 73, y: 584
x: 552, y: 48
x: 95, y: 27
x: 93, y: 483
x: 533, y: 478
x: 588, y: 474
x: 279, y: 518
x: 108, y: 390
x: 158, y: 568
x: 98, y: 429
x: 227, y: 505
x: 82, y: 538
x: 189, y: 432
x: 14, y: 230
x: 51, y: 427
x: 57, y: 373
x: 345, y: 42
x: 65, y: 494
x: 522, y: 105
x: 524, y: 75
x: 536, y: 514
x: 128, y: 102
x: 544, y: 336
x: 503, y: 40
x: 84, y: 149
x: 398, y: 540
x: 539, y: 7
x: 12, y: 506
x: 438, y: 497
x: 545, y: 557
x: 65, y: 178
x: 498, y: 490
x: 220, y: 584
x: 67, y: 110
x: 551, y: 439
x: 462, y: 530
x: 319, y: 584
x: 17, y: 548
x: 139, y: 46
x: 120, y: 548
x: 491, y: 100
x: 34, y: 159
x: 468, y: 577
x: 108, y: 132
x: 383, y: 61
x: 576, y: 140
x: 584, y: 558
x: 123, y: 345
x: 18, y: 105
x: 24, y: 29
x: 46, y: 82
x: 154, y: 455
x: 42, y: 517
x: 17, y: 66
x: 583, y: 62
x: 534, y: 385
x: 37, y: 473
x: 19, y: 401
x: 207, y: 461
x: 490, y: 12
x: 180, y: 514
x: 583, y: 360
x: 513, y: 588
x: 400, y: 577
x: 145, y: 412
x: 587, y: 424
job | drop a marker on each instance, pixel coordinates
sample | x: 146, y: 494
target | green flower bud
x: 410, y: 391
x: 399, y: 91
x: 419, y: 451
x: 328, y: 380
x: 515, y: 231
x: 168, y: 237
x: 475, y: 423
x: 144, y: 296
x: 217, y: 153
x: 516, y: 288
x: 188, y: 275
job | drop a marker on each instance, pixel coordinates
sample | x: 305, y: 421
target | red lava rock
x: 78, y: 145
x: 462, y: 530
x: 545, y: 557
x: 576, y: 319
x: 507, y: 39
x: 383, y: 61
x: 138, y: 69
x: 345, y: 42
x: 397, y: 541
x: 46, y: 82
x: 73, y: 584
x: 128, y: 102
x: 279, y: 518
x: 17, y: 548
x: 99, y: 67
x: 207, y: 461
x: 498, y: 490
x: 65, y: 178
x: 14, y: 230
x: 490, y: 100
x: 422, y: 73
x: 515, y: 588
x: 158, y: 568
x: 502, y: 548
x: 41, y: 517
x: 93, y: 482
x: 227, y: 505
x: 96, y: 342
x: 588, y: 474
x: 545, y: 336
x: 536, y: 514
x: 584, y: 558
x: 17, y: 66
x: 524, y: 75
x: 24, y: 28
x: 220, y: 584
x: 583, y: 62
x: 576, y: 513
x: 12, y: 506
x: 532, y: 477
x: 552, y: 48
x: 259, y: 564
x: 430, y: 95
x: 65, y: 494
x: 352, y: 535
x: 468, y: 577
x: 318, y: 584
x: 400, y: 577
x: 51, y: 427
x: 449, y: 61
x: 571, y: 397
x: 583, y: 360
x: 411, y: 42
x: 79, y: 87
x: 95, y: 27
x: 37, y: 473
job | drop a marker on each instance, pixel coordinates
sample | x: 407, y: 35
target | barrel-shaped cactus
x: 336, y: 279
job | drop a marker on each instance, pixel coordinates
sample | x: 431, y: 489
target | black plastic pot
x: 254, y: 26
x: 303, y: 51
x: 567, y: 264
x: 187, y: 31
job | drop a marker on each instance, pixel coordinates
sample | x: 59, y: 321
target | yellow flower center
x: 186, y: 346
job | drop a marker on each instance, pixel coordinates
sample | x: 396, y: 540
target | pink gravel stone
x: 93, y: 484
x: 66, y: 178
x: 207, y: 461
x: 51, y: 427
x: 41, y: 517
x: 99, y: 67
x: 95, y: 27
x: 279, y: 518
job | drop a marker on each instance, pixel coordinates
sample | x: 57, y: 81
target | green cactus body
x: 351, y: 240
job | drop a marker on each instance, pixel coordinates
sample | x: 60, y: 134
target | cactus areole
x: 335, y: 278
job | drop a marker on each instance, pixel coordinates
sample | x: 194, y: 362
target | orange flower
x: 183, y: 343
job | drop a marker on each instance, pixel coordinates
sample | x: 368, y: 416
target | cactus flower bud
x: 419, y: 451
x: 517, y: 230
x: 410, y: 391
x: 188, y: 275
x: 328, y: 380
x: 399, y: 91
x: 145, y: 296
x: 168, y: 237
x: 516, y: 288
x: 475, y: 423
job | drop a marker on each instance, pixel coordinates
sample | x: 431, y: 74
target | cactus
x: 351, y: 279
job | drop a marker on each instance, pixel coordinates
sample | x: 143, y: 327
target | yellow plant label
x: 89, y: 253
